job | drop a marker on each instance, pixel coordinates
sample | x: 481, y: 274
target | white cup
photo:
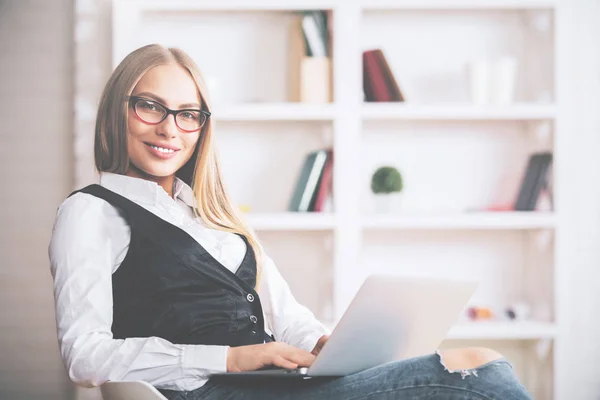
x: 492, y: 81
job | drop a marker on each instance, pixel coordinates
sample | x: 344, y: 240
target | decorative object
x: 518, y: 311
x: 386, y: 185
x: 309, y: 58
x: 479, y: 313
x: 492, y: 81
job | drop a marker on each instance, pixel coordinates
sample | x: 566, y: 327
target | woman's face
x: 158, y: 150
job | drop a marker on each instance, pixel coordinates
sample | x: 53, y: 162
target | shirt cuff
x: 310, y: 340
x: 200, y: 360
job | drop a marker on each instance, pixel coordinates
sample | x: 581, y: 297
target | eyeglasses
x: 153, y: 113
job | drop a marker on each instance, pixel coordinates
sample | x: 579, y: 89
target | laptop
x: 390, y: 318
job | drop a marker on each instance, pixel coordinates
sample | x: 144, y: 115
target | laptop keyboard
x: 299, y: 370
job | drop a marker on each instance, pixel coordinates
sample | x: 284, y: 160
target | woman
x: 157, y: 278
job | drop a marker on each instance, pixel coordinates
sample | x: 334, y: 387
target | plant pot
x: 386, y: 203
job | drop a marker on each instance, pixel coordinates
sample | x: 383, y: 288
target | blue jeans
x: 412, y: 379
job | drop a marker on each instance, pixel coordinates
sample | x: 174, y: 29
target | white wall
x: 36, y: 164
x: 580, y: 59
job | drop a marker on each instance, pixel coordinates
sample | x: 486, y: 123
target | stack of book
x: 314, y: 184
x: 379, y: 84
x: 316, y: 33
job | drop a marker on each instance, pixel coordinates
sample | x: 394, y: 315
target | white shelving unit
x: 275, y: 112
x: 288, y: 221
x: 503, y: 331
x: 500, y: 330
x: 523, y: 112
x: 436, y: 5
x: 453, y: 154
x: 479, y: 220
x: 384, y: 111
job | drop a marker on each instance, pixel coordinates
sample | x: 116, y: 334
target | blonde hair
x: 201, y: 172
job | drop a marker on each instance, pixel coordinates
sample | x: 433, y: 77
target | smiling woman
x: 157, y: 149
x: 158, y: 278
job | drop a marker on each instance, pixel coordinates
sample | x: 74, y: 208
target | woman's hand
x: 253, y: 357
x: 322, y: 340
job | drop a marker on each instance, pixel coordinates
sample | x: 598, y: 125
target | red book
x: 375, y: 77
x: 325, y: 184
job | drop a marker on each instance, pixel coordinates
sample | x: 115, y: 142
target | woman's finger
x: 282, y: 362
x: 300, y: 357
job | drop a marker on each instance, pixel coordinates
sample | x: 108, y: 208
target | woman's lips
x: 161, y: 152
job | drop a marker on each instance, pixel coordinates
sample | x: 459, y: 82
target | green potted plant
x: 386, y: 185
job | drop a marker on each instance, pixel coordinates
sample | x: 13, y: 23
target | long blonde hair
x: 201, y: 172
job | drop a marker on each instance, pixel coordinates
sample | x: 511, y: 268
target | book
x: 379, y: 83
x: 392, y: 86
x: 324, y: 188
x: 315, y: 31
x: 535, y: 179
x: 374, y: 83
x: 307, y: 183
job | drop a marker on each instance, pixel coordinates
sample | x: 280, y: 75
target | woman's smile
x: 162, y: 151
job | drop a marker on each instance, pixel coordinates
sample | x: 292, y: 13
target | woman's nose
x: 168, y: 127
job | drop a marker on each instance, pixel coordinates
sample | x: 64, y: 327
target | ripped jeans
x: 412, y: 379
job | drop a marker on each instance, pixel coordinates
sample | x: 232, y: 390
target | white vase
x: 386, y: 203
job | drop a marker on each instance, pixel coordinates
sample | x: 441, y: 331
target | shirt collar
x: 183, y: 192
x: 145, y: 191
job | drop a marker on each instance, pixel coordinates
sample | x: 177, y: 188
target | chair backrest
x: 130, y: 390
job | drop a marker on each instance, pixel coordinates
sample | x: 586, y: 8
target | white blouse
x: 90, y: 240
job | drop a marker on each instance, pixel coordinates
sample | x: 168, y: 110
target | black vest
x: 169, y: 286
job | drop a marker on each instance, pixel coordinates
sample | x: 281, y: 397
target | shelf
x: 291, y: 221
x: 459, y: 4
x: 274, y: 112
x: 496, y: 330
x: 234, y: 5
x: 472, y: 220
x: 238, y: 5
x: 503, y: 330
x: 400, y: 111
x: 382, y: 111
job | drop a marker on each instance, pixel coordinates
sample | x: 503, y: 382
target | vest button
x: 253, y: 332
x: 250, y: 297
x: 253, y: 319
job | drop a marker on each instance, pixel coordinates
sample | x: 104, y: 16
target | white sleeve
x: 82, y: 260
x: 291, y: 322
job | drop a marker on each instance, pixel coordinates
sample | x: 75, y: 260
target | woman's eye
x: 189, y: 115
x: 147, y: 105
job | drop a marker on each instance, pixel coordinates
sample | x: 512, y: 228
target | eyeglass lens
x: 153, y: 113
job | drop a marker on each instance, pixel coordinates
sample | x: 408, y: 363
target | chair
x: 130, y: 390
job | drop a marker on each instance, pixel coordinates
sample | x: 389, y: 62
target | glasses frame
x: 134, y: 99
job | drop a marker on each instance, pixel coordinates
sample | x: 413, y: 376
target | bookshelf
x: 523, y: 112
x: 274, y: 112
x: 453, y: 153
x: 291, y: 221
x: 326, y: 112
x: 503, y: 331
x: 436, y: 5
x: 507, y: 331
x: 474, y: 221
